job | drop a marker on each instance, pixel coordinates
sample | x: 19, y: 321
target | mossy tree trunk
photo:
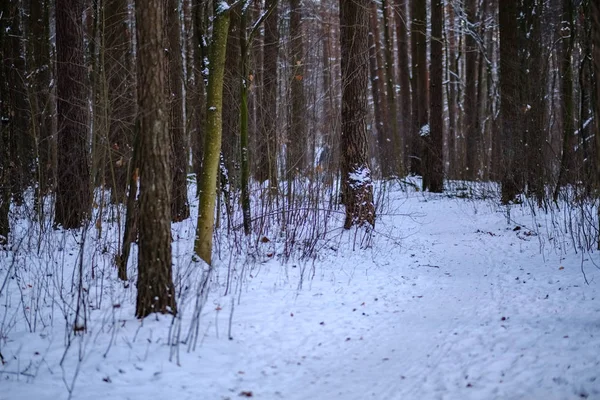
x: 212, y: 144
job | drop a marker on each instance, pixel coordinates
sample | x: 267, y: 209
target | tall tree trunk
x: 509, y: 97
x: 156, y: 292
x: 73, y: 180
x: 197, y: 132
x: 532, y: 80
x: 297, y: 140
x: 396, y: 141
x: 268, y: 143
x: 385, y: 140
x: 567, y: 167
x: 471, y: 121
x: 180, y: 209
x: 21, y: 142
x: 357, y: 187
x: 231, y: 100
x: 4, y: 128
x: 212, y: 147
x: 420, y: 102
x: 42, y: 103
x: 433, y: 175
x: 401, y: 19
x: 451, y: 89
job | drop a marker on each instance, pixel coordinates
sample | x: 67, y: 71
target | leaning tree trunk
x: 212, y: 145
x: 357, y: 187
x: 156, y: 292
x: 73, y: 180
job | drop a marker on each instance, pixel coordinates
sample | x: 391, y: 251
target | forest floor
x: 448, y: 299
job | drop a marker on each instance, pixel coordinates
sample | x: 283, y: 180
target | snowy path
x: 462, y: 307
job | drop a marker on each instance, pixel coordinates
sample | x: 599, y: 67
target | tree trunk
x: 180, y: 209
x: 231, y: 100
x: 267, y: 126
x: 509, y: 95
x: 212, y: 147
x: 42, y: 103
x: 156, y: 292
x: 357, y: 187
x: 451, y: 89
x: 471, y: 128
x: 567, y: 167
x: 401, y: 17
x: 73, y: 180
x: 297, y: 140
x: 420, y: 102
x: 395, y: 143
x: 433, y: 175
x: 382, y: 121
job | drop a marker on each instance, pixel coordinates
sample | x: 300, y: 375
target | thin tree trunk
x: 180, y: 209
x: 567, y: 168
x: 297, y: 140
x: 396, y: 141
x: 471, y: 121
x: 268, y: 143
x: 401, y: 19
x: 382, y: 121
x: 43, y: 106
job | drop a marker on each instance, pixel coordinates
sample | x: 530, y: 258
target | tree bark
x: 420, y: 102
x: 567, y: 168
x: 471, y: 128
x: 397, y: 166
x: 401, y: 19
x: 297, y: 140
x: 212, y: 147
x: 433, y: 175
x: 73, y: 180
x: 180, y: 209
x: 156, y: 292
x: 357, y: 187
x: 378, y: 81
x: 509, y: 95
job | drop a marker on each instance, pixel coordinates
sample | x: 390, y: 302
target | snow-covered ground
x: 447, y: 300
